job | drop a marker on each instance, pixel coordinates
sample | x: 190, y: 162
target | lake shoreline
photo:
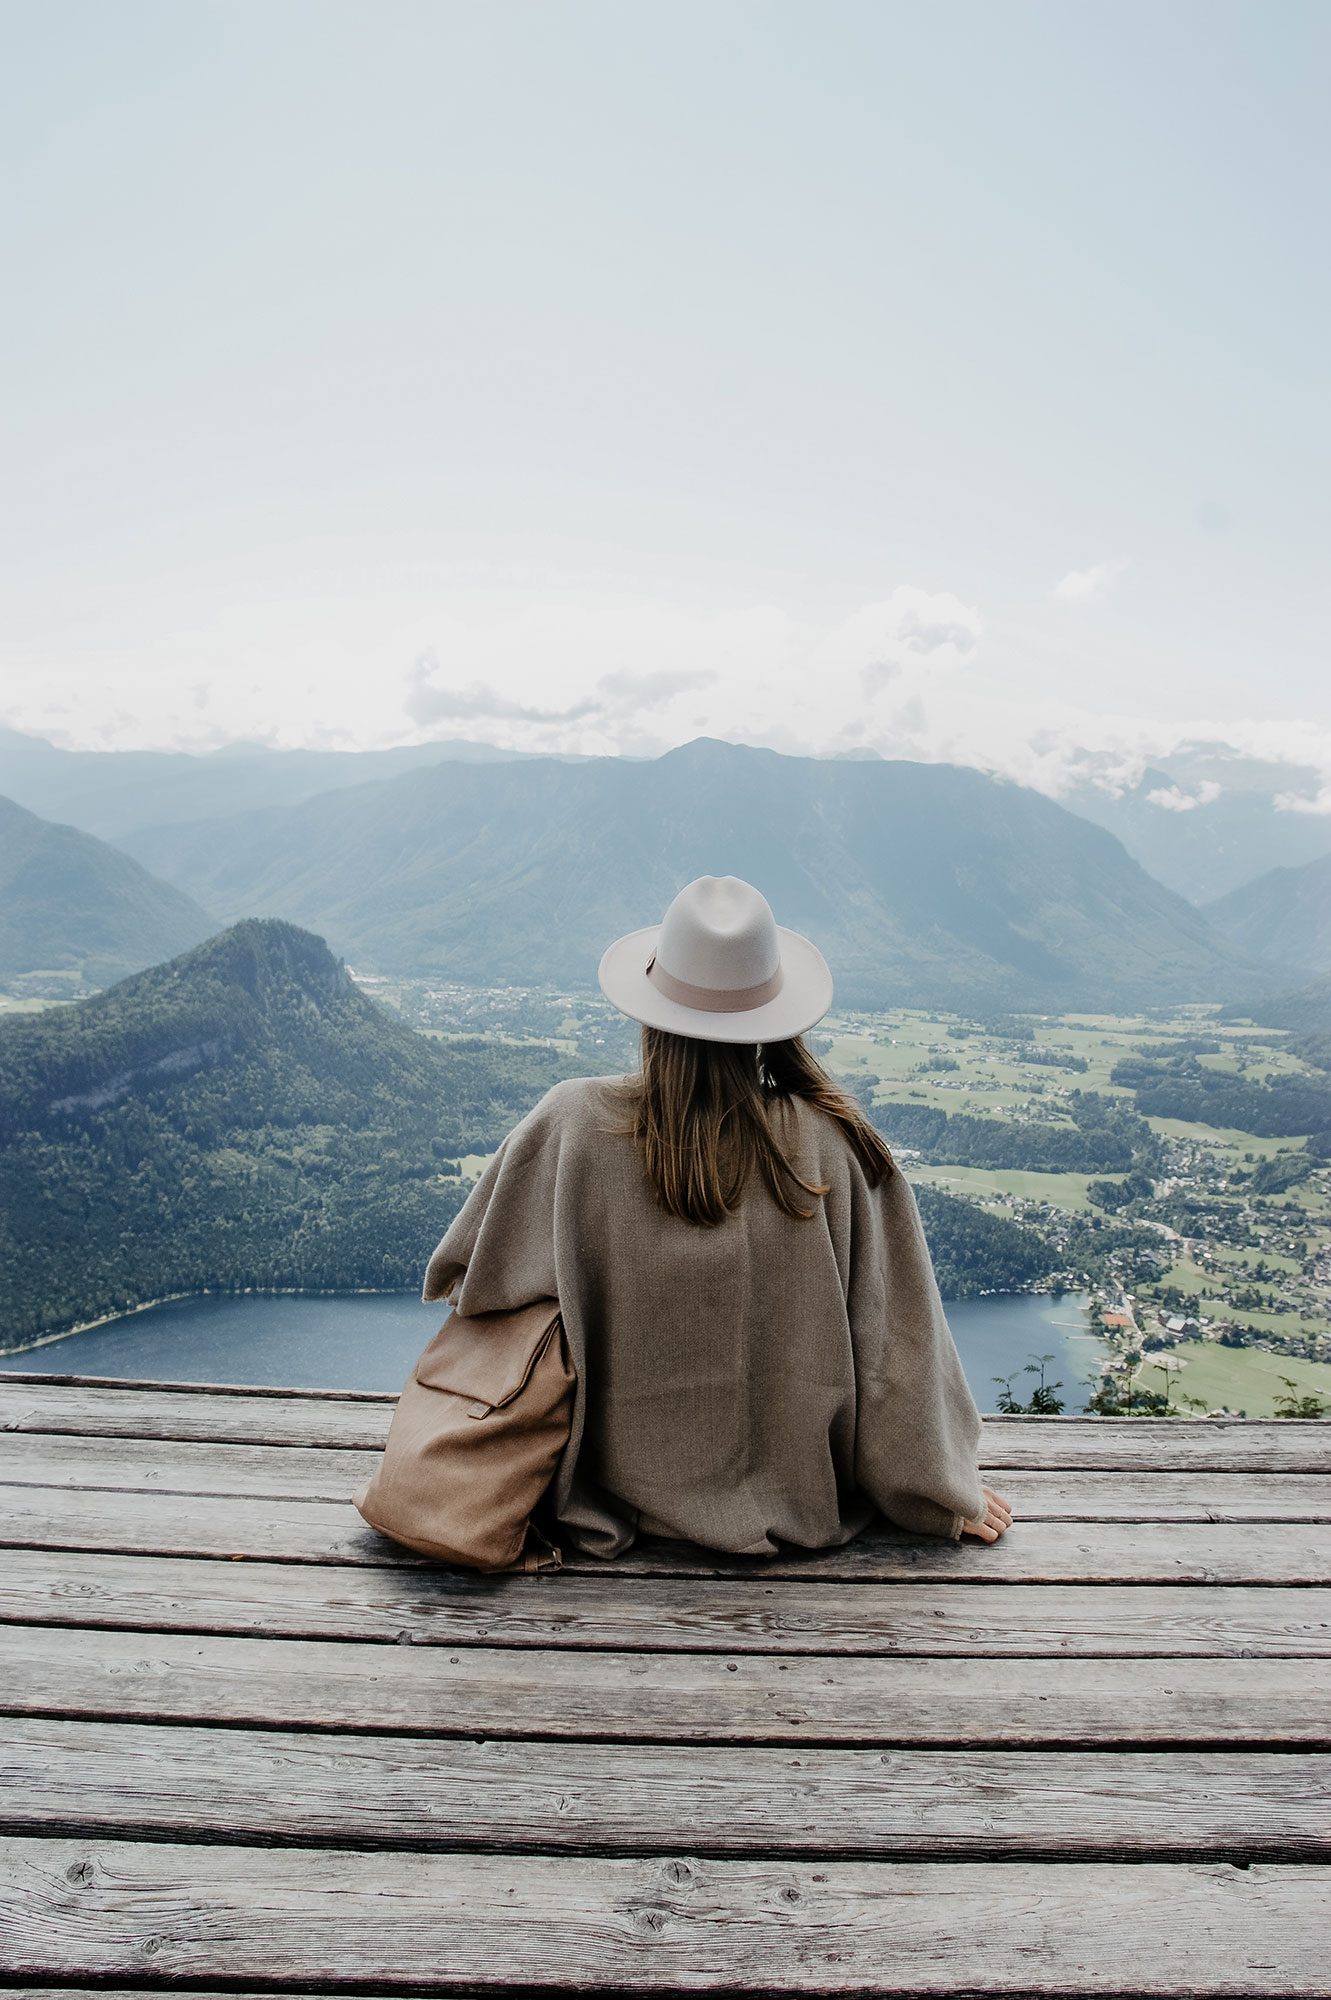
x: 359, y: 1292
x: 245, y: 1292
x: 369, y: 1340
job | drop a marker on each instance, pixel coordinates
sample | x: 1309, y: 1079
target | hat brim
x: 805, y: 996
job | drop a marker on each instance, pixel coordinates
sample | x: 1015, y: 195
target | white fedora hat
x: 719, y: 968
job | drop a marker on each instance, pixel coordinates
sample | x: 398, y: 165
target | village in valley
x: 1212, y: 1291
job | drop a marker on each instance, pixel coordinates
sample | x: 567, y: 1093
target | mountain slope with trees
x: 241, y: 1117
x: 75, y: 907
x: 923, y: 884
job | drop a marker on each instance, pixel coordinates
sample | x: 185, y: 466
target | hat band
x: 714, y: 999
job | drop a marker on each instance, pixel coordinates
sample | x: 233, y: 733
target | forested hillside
x: 923, y: 883
x: 1180, y: 1086
x: 1101, y: 1136
x: 74, y: 909
x: 242, y: 1116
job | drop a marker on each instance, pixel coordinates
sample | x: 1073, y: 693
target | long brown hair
x: 701, y: 1118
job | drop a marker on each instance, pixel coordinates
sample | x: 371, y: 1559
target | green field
x: 1237, y: 1378
x: 999, y: 1183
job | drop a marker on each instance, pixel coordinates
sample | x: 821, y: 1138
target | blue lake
x: 370, y: 1340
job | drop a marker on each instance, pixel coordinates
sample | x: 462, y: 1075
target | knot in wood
x: 80, y: 1873
x: 677, y: 1873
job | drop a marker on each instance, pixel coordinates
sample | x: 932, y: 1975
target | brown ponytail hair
x: 700, y: 1115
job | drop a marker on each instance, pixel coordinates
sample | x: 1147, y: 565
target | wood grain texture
x: 81, y: 1909
x: 308, y: 1472
x: 1176, y: 1444
x: 334, y: 1419
x: 661, y: 1697
x: 241, y: 1417
x: 273, y: 1785
x: 442, y: 1607
x: 154, y: 1465
x: 316, y: 1531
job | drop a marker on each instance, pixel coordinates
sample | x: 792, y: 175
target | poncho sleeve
x: 499, y: 1252
x: 917, y: 1431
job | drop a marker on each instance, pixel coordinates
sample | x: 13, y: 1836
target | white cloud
x: 1174, y: 799
x: 1299, y: 802
x: 1089, y: 586
x: 911, y: 673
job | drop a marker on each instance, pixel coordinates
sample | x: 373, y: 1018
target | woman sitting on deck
x: 747, y: 1294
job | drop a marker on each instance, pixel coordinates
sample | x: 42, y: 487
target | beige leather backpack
x: 475, y: 1439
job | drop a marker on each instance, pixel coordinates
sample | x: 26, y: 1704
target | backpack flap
x: 486, y: 1359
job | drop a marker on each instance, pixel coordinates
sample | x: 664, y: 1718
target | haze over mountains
x: 1205, y: 821
x: 924, y: 884
x: 1284, y: 915
x: 74, y: 907
x: 112, y: 792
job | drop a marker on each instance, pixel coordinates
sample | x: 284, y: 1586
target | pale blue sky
x: 379, y: 367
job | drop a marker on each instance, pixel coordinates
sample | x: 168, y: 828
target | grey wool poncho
x: 767, y: 1380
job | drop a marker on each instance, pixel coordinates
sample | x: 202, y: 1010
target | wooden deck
x: 254, y: 1749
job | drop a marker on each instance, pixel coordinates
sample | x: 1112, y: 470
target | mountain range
x: 113, y: 792
x: 1284, y: 916
x: 1205, y: 820
x: 75, y: 911
x: 923, y: 883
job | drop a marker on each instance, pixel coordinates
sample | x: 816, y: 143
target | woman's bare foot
x: 997, y: 1518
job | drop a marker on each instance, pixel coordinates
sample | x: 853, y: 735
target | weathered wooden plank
x: 133, y: 1778
x: 241, y: 1417
x: 154, y: 1465
x: 1177, y: 1444
x: 666, y: 1697
x: 309, y: 1473
x: 1034, y: 1552
x: 661, y: 1697
x: 1030, y: 1552
x: 80, y: 1909
x: 338, y: 1419
x: 441, y: 1607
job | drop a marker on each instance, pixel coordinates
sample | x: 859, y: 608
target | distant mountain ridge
x: 1284, y: 915
x: 923, y: 883
x: 1205, y: 820
x: 78, y: 908
x: 112, y: 792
